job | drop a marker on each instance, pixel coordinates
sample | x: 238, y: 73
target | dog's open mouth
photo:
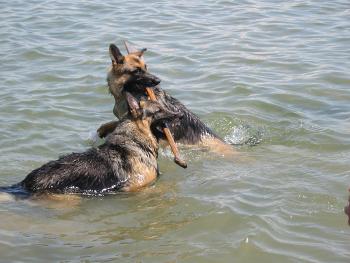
x: 140, y: 81
x: 136, y: 87
x: 158, y: 125
x: 147, y: 80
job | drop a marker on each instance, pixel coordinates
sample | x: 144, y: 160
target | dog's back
x: 189, y: 129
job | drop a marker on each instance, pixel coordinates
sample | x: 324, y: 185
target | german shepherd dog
x: 129, y: 73
x: 127, y: 161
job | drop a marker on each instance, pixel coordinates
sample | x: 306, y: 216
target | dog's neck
x: 120, y: 108
x: 116, y: 84
x: 137, y: 130
x: 145, y: 129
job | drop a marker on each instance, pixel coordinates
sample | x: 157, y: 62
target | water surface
x: 271, y: 77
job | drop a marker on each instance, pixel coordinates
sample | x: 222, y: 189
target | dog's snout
x: 153, y: 80
x: 148, y: 79
x: 156, y: 80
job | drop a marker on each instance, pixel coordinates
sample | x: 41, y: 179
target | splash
x: 235, y: 131
x: 244, y: 134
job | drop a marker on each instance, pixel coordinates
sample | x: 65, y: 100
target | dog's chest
x: 141, y: 178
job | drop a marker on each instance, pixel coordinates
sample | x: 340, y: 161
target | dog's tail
x: 13, y: 192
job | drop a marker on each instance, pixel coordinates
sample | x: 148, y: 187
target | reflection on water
x: 270, y: 78
x: 347, y: 209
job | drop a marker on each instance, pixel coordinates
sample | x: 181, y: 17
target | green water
x: 270, y: 73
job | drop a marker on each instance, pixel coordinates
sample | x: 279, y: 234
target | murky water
x: 264, y: 73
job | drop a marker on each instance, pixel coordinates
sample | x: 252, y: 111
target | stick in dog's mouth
x: 168, y: 135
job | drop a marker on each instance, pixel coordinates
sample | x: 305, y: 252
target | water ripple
x: 260, y: 73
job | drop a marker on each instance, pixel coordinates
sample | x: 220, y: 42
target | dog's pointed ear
x: 133, y: 104
x: 115, y: 54
x: 140, y: 52
x: 132, y: 101
x: 130, y: 48
x: 133, y: 50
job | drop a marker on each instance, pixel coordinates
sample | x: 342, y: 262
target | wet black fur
x: 189, y: 129
x: 129, y: 151
x: 98, y: 170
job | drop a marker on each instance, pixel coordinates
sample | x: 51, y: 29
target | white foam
x: 238, y: 135
x: 5, y: 197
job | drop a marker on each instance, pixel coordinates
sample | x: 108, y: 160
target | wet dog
x: 127, y: 161
x: 129, y: 73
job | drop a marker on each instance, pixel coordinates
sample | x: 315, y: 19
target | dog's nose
x: 147, y: 80
x: 156, y: 80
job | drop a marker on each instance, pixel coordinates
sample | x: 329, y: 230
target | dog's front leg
x: 106, y: 128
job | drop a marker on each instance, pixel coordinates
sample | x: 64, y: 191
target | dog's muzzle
x: 147, y: 80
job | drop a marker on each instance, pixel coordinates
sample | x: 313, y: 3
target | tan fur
x: 218, y: 146
x: 116, y: 76
x: 144, y: 127
x: 211, y: 143
x: 116, y: 81
x: 144, y: 175
x: 142, y: 178
x: 134, y: 61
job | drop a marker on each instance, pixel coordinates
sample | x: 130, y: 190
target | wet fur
x: 127, y: 161
x: 187, y: 130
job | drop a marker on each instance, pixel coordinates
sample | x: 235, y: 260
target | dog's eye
x: 137, y: 70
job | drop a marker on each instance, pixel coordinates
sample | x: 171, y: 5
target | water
x: 271, y: 77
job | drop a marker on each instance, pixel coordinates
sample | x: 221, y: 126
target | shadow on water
x: 13, y: 192
x: 273, y: 76
x: 347, y: 209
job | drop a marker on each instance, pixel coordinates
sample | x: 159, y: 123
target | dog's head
x: 129, y: 72
x: 150, y: 112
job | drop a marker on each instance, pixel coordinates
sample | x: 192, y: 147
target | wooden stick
x: 166, y: 130
x: 169, y: 136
